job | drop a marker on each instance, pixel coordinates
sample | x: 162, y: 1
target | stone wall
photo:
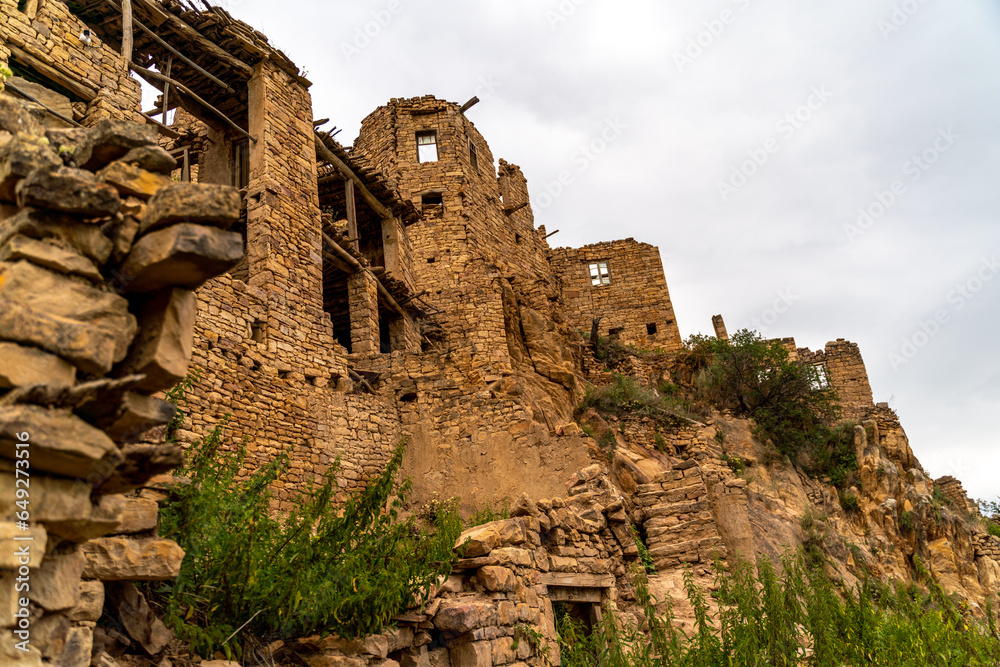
x: 952, y: 489
x: 99, y: 256
x: 846, y: 372
x: 635, y: 303
x: 45, y: 37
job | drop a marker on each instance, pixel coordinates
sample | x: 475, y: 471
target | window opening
x: 432, y: 203
x: 473, y: 155
x: 651, y: 329
x: 822, y: 380
x: 599, y: 274
x: 241, y: 164
x: 427, y: 150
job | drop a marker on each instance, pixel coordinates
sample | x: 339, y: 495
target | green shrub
x: 993, y: 528
x: 625, y: 397
x: 325, y: 567
x: 797, y: 617
x: 907, y: 521
x: 849, y: 502
x: 487, y: 514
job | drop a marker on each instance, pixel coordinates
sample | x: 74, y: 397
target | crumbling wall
x: 635, y: 301
x: 45, y: 37
x: 99, y: 256
x: 846, y: 372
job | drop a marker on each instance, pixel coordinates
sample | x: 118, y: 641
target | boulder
x: 137, y: 618
x: 76, y: 648
x: 104, y: 518
x: 21, y: 366
x: 60, y: 442
x: 473, y: 654
x: 183, y: 255
x: 14, y: 118
x: 50, y: 256
x: 19, y: 158
x: 478, y: 540
x: 200, y: 203
x: 151, y: 158
x: 123, y: 229
x: 142, y: 462
x: 110, y: 140
x: 132, y: 181
x: 547, y: 348
x: 64, y: 230
x: 132, y: 559
x: 462, y: 617
x: 138, y: 515
x: 68, y: 190
x: 53, y: 499
x: 163, y: 348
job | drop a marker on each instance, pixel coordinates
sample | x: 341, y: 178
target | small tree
x: 756, y: 378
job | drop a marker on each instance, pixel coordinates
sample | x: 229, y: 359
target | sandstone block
x: 38, y: 539
x: 67, y: 190
x: 10, y: 656
x: 138, y: 414
x: 90, y: 605
x: 183, y: 255
x: 138, y: 515
x: 104, y: 518
x: 200, y: 203
x: 473, y: 654
x: 163, y: 348
x: 132, y: 181
x: 494, y: 578
x: 14, y: 118
x: 137, y: 618
x: 24, y: 366
x: 19, y: 158
x: 122, y: 232
x: 51, y: 294
x: 56, y: 586
x: 50, y: 256
x: 8, y: 597
x: 52, y: 498
x: 459, y: 617
x: 60, y: 442
x: 132, y: 559
x: 478, y: 541
x: 110, y: 140
x: 64, y: 230
x: 77, y: 647
x: 151, y: 158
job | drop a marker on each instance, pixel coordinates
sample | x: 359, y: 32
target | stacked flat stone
x: 99, y: 255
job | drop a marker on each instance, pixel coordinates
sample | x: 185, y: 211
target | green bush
x: 993, y: 528
x: 625, y: 397
x: 907, y: 521
x: 849, y: 502
x: 791, y: 407
x: 797, y: 617
x: 325, y: 567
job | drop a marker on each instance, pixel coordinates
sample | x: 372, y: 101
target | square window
x: 651, y: 329
x: 427, y: 150
x: 599, y: 274
x: 822, y: 380
x: 473, y: 156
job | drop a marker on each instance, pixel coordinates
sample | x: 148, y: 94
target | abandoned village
x: 334, y: 301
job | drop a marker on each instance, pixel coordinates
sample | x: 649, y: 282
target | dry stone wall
x: 634, y: 303
x: 99, y: 254
x: 45, y: 38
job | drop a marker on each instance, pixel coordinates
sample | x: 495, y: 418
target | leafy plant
x: 325, y: 567
x: 487, y: 513
x: 5, y: 73
x: 907, y: 521
x: 626, y: 397
x: 849, y: 502
x: 644, y: 556
x: 993, y: 528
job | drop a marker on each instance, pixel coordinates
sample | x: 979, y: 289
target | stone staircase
x: 677, y: 517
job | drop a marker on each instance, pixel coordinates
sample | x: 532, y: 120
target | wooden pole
x: 166, y: 89
x: 149, y: 74
x: 328, y: 156
x: 352, y: 214
x: 127, y: 33
x: 10, y: 86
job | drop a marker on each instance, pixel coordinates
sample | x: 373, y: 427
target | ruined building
x: 397, y: 288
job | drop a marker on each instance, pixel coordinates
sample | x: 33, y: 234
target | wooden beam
x: 352, y: 214
x: 163, y: 129
x: 187, y: 32
x: 166, y: 90
x: 575, y: 580
x: 72, y: 84
x: 356, y: 265
x: 146, y: 74
x: 550, y: 234
x: 326, y: 154
x: 126, y: 33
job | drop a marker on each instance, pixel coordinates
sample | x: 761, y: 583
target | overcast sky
x: 744, y: 138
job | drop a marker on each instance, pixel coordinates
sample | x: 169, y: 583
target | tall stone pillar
x: 362, y: 297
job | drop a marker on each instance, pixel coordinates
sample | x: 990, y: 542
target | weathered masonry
x: 622, y: 282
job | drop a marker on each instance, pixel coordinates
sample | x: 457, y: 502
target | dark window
x: 651, y: 329
x: 473, y: 156
x: 432, y: 202
x: 427, y: 150
x: 241, y: 164
x: 599, y: 274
